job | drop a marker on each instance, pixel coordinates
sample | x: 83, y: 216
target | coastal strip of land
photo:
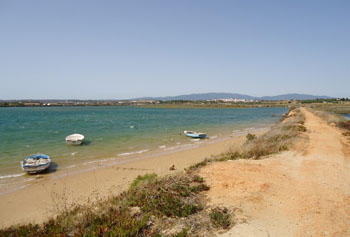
x: 301, y: 192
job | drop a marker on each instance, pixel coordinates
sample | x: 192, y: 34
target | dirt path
x: 305, y: 192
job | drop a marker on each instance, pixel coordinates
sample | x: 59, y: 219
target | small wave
x: 195, y: 140
x: 73, y: 153
x: 249, y: 129
x: 11, y: 176
x: 132, y: 126
x: 161, y: 147
x: 131, y: 153
x: 213, y: 136
x: 71, y: 166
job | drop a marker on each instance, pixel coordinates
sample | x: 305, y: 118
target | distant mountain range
x: 212, y: 96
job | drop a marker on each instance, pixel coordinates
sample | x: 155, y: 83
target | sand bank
x: 50, y: 193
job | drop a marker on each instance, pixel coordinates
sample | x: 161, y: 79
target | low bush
x: 142, y: 178
x: 171, y: 196
x: 220, y: 218
x: 250, y: 137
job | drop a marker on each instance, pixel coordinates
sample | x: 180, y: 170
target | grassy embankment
x: 333, y: 118
x: 174, y: 205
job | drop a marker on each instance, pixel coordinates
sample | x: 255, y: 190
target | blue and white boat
x: 193, y: 134
x: 36, y: 163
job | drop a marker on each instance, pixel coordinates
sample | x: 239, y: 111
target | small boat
x: 36, y: 163
x: 195, y: 134
x: 75, y: 139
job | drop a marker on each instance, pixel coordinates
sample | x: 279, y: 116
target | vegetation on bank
x: 280, y: 137
x: 168, y: 206
x: 334, y: 120
x: 150, y: 207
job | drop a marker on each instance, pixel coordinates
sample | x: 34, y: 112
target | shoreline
x: 10, y: 182
x: 98, y: 181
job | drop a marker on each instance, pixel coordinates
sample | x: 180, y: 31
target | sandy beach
x: 51, y: 193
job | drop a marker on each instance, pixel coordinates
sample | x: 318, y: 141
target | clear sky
x: 123, y: 49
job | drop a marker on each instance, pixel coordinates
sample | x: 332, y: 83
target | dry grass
x: 329, y: 117
x: 280, y: 137
x: 335, y: 120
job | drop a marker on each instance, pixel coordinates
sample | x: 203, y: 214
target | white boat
x: 75, y: 139
x: 36, y: 163
x: 195, y: 134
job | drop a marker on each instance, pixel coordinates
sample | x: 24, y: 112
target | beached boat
x: 75, y: 139
x: 195, y: 134
x: 36, y: 163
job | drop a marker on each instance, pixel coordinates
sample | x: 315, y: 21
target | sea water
x: 112, y: 132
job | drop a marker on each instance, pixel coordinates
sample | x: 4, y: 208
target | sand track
x: 304, y: 192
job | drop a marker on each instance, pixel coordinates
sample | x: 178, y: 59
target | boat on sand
x: 194, y: 134
x: 75, y: 139
x: 36, y: 163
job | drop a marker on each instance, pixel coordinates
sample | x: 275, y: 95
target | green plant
x: 183, y: 233
x: 251, y: 137
x: 220, y: 218
x: 170, y: 196
x: 141, y: 179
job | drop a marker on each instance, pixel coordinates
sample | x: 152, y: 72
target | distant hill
x: 212, y: 96
x: 294, y: 97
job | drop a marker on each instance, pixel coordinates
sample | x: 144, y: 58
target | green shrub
x: 250, y: 137
x: 169, y: 196
x: 141, y: 179
x: 220, y: 218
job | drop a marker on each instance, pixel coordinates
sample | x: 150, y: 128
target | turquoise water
x: 112, y: 131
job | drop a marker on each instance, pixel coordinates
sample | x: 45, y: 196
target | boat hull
x: 75, y: 139
x: 36, y: 163
x: 35, y: 169
x: 74, y: 142
x: 195, y: 134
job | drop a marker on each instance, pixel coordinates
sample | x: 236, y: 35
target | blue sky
x: 124, y: 49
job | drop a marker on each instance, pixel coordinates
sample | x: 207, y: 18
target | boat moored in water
x: 75, y: 139
x: 193, y: 134
x: 36, y: 163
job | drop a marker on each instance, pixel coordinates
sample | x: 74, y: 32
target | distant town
x: 227, y: 102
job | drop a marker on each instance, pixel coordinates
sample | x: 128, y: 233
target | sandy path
x: 305, y: 192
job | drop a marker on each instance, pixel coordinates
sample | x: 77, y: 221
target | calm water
x: 112, y: 131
